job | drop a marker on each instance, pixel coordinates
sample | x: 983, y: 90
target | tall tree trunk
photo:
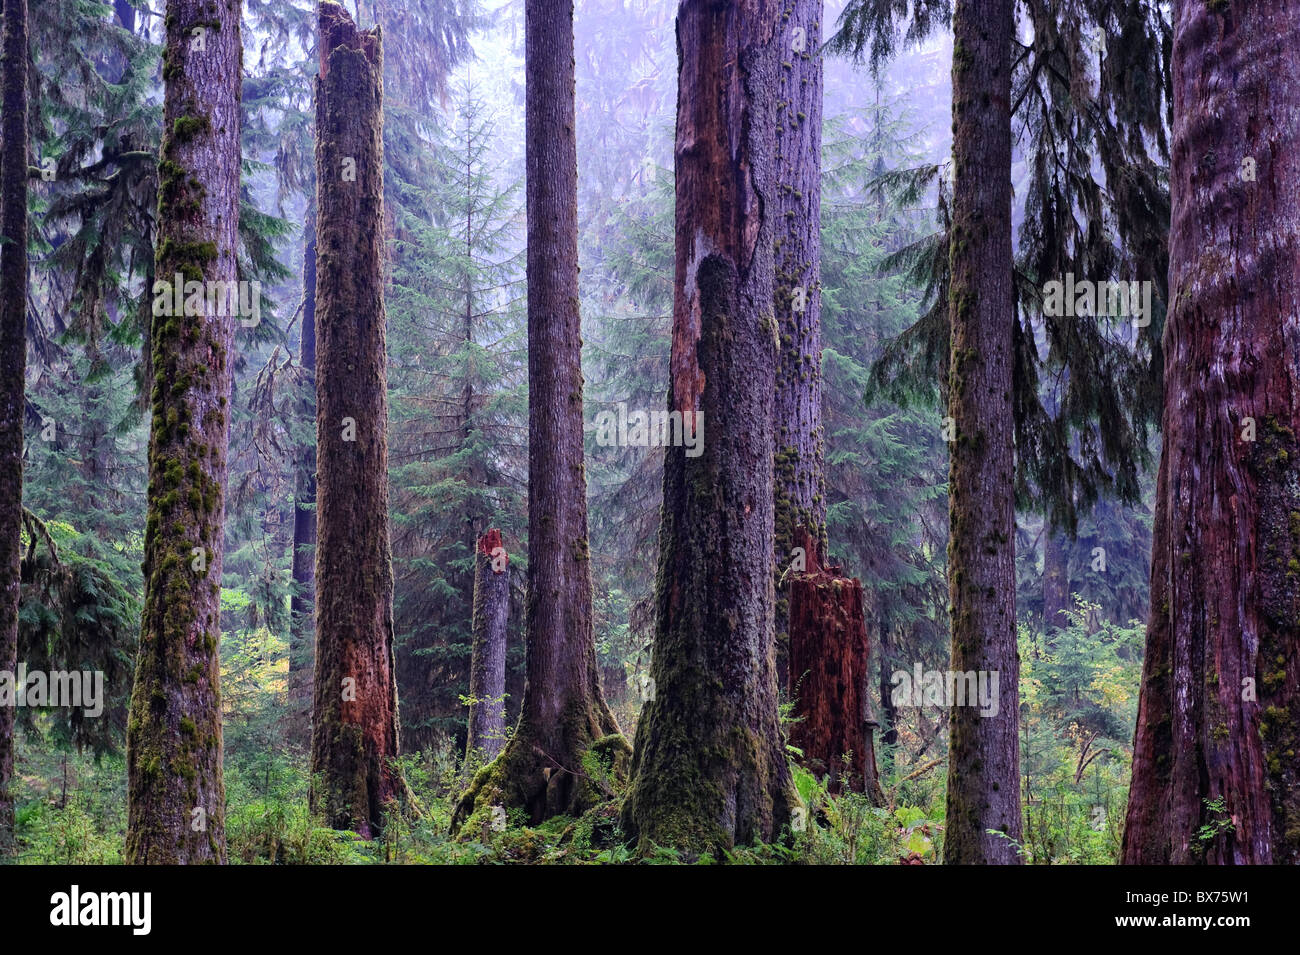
x: 564, y: 715
x: 830, y: 622
x: 487, y: 669
x: 983, y: 760
x: 176, y: 795
x: 1214, y: 767
x: 354, y: 732
x: 710, y: 769
x: 302, y: 603
x: 799, y: 475
x: 1056, y: 579
x: 13, y: 364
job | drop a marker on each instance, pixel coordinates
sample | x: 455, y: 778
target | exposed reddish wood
x: 1215, y: 774
x: 829, y: 674
x: 710, y: 772
x: 354, y: 736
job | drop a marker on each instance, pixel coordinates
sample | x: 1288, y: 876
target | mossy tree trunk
x: 1215, y: 774
x: 799, y: 475
x: 354, y: 732
x: 710, y: 770
x: 564, y: 715
x: 176, y: 795
x: 13, y: 363
x: 487, y: 668
x: 983, y: 810
x: 302, y: 603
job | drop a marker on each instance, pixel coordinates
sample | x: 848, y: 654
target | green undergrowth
x: 268, y: 823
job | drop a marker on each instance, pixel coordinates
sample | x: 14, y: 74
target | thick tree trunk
x: 983, y: 761
x: 13, y: 363
x: 830, y: 674
x: 710, y: 768
x: 1056, y: 579
x: 354, y: 732
x: 176, y: 795
x: 564, y: 715
x: 302, y: 603
x: 799, y: 476
x: 487, y: 668
x: 1215, y: 777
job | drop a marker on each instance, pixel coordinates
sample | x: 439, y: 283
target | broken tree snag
x: 710, y: 766
x: 830, y: 674
x: 1216, y: 779
x: 354, y: 735
x: 487, y: 668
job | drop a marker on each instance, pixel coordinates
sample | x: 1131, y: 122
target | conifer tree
x: 13, y: 361
x: 176, y: 794
x: 1214, y: 768
x: 355, y: 729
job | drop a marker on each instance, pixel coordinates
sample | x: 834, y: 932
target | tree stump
x: 829, y: 674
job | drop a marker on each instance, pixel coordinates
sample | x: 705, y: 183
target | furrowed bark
x: 564, y: 716
x: 13, y: 364
x: 176, y: 793
x: 799, y: 475
x: 487, y: 669
x: 1215, y: 774
x: 302, y: 603
x: 983, y: 808
x: 710, y: 769
x: 354, y: 733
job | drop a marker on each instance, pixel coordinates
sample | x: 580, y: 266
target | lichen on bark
x: 176, y: 792
x: 355, y: 728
